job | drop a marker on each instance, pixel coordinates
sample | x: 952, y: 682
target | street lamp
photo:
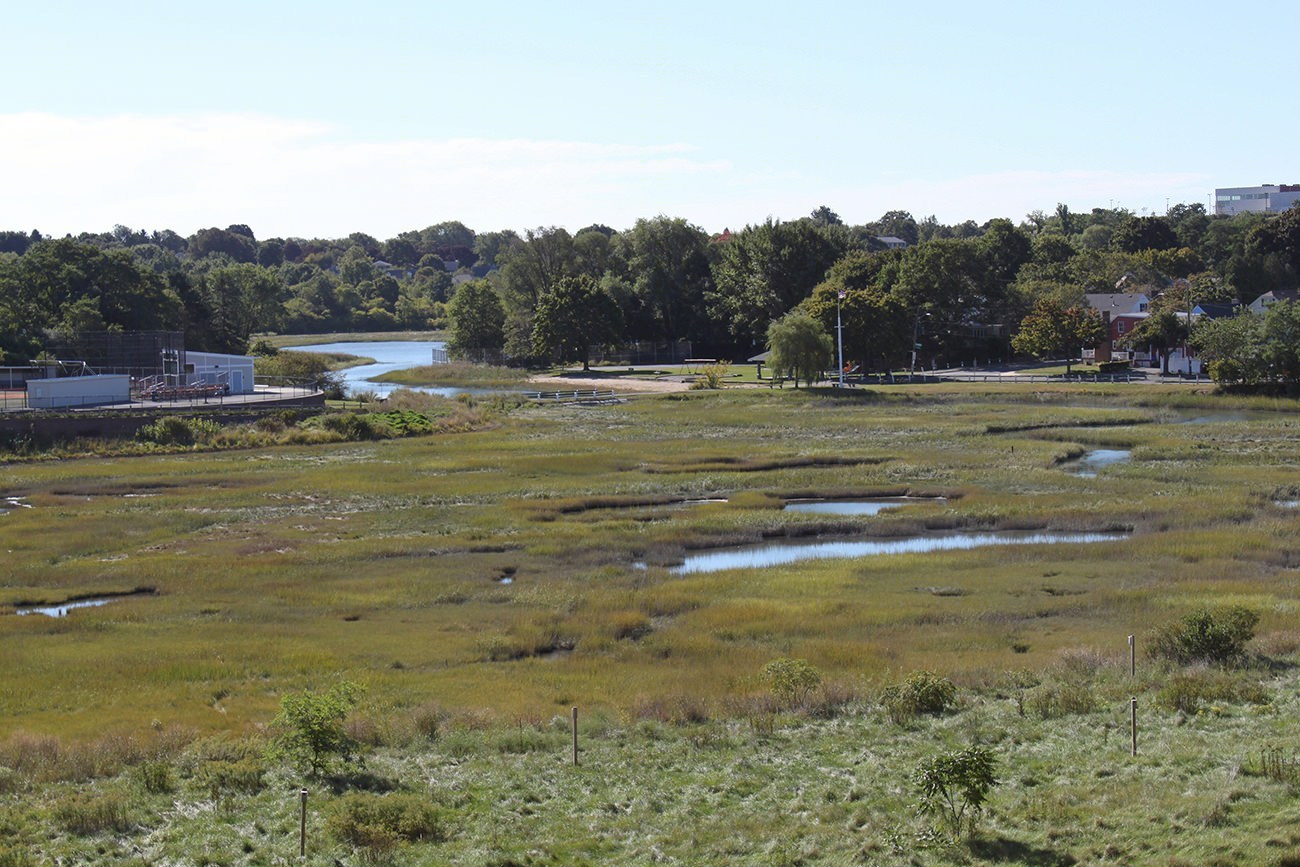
x: 839, y: 333
x: 916, y: 329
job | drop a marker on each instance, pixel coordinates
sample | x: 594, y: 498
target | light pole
x: 839, y: 334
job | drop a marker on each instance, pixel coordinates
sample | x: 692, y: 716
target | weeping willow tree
x: 800, y: 347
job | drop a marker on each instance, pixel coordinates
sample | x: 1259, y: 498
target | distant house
x: 1121, y: 311
x: 891, y: 242
x: 1214, y: 310
x: 1268, y: 299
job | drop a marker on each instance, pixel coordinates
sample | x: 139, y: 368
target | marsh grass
x: 278, y: 567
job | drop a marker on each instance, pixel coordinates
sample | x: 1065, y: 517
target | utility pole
x: 839, y: 333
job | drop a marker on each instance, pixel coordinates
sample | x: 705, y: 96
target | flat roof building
x: 1266, y: 199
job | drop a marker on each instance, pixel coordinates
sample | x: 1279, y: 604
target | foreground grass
x: 764, y: 787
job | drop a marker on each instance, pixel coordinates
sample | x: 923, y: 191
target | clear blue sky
x: 319, y: 119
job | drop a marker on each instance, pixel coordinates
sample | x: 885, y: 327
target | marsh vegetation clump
x: 922, y: 693
x: 1209, y: 635
x: 791, y: 680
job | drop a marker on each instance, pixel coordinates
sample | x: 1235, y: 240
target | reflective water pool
x: 780, y: 553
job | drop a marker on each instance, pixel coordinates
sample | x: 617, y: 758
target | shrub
x: 1057, y: 700
x: 1206, y: 635
x: 1189, y: 691
x: 154, y: 776
x: 354, y: 426
x: 172, y: 430
x: 955, y: 785
x: 15, y: 857
x: 241, y: 775
x: 91, y: 813
x: 791, y: 679
x: 924, y: 692
x: 378, y: 823
x: 310, y: 728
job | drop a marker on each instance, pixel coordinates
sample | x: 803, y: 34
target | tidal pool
x: 62, y: 609
x: 780, y: 553
x: 856, y: 507
x: 1097, y: 459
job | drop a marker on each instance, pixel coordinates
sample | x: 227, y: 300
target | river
x: 389, y: 355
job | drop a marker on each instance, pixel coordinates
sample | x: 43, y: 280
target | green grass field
x: 504, y: 575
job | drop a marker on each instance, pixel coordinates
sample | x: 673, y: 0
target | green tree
x: 1053, y: 331
x: 1144, y: 233
x: 955, y: 786
x: 1162, y: 331
x: 1231, y: 348
x: 765, y: 270
x: 572, y: 316
x: 800, y: 347
x: 310, y: 731
x: 671, y: 275
x: 877, y: 330
x: 477, y: 322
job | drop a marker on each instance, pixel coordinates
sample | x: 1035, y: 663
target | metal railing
x: 592, y: 395
x: 268, y: 389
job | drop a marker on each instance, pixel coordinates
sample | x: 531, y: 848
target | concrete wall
x: 73, y: 391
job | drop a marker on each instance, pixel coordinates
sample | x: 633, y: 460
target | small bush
x: 923, y: 692
x: 172, y: 430
x: 1216, y: 636
x: 11, y: 857
x: 1190, y: 691
x: 378, y: 823
x: 92, y: 813
x: 154, y: 776
x: 10, y: 781
x: 1052, y: 701
x: 791, y: 680
x: 224, y: 777
x: 311, y: 730
x: 955, y: 786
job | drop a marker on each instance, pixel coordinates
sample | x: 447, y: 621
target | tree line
x: 954, y: 293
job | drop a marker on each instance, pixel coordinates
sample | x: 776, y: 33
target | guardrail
x: 571, y: 396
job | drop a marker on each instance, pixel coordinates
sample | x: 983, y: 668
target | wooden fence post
x: 575, y: 736
x: 1133, y: 721
x: 302, y: 822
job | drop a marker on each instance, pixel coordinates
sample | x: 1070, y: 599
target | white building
x: 214, y: 368
x: 1266, y: 199
x: 72, y: 391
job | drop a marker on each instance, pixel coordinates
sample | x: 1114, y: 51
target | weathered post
x: 1132, y: 657
x: 302, y: 822
x: 575, y: 736
x: 1133, y: 721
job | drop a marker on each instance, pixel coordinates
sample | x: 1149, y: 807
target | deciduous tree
x: 1057, y: 332
x: 800, y: 347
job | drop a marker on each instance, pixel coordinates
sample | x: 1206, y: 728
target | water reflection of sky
x: 854, y: 507
x: 780, y: 553
x: 389, y: 355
